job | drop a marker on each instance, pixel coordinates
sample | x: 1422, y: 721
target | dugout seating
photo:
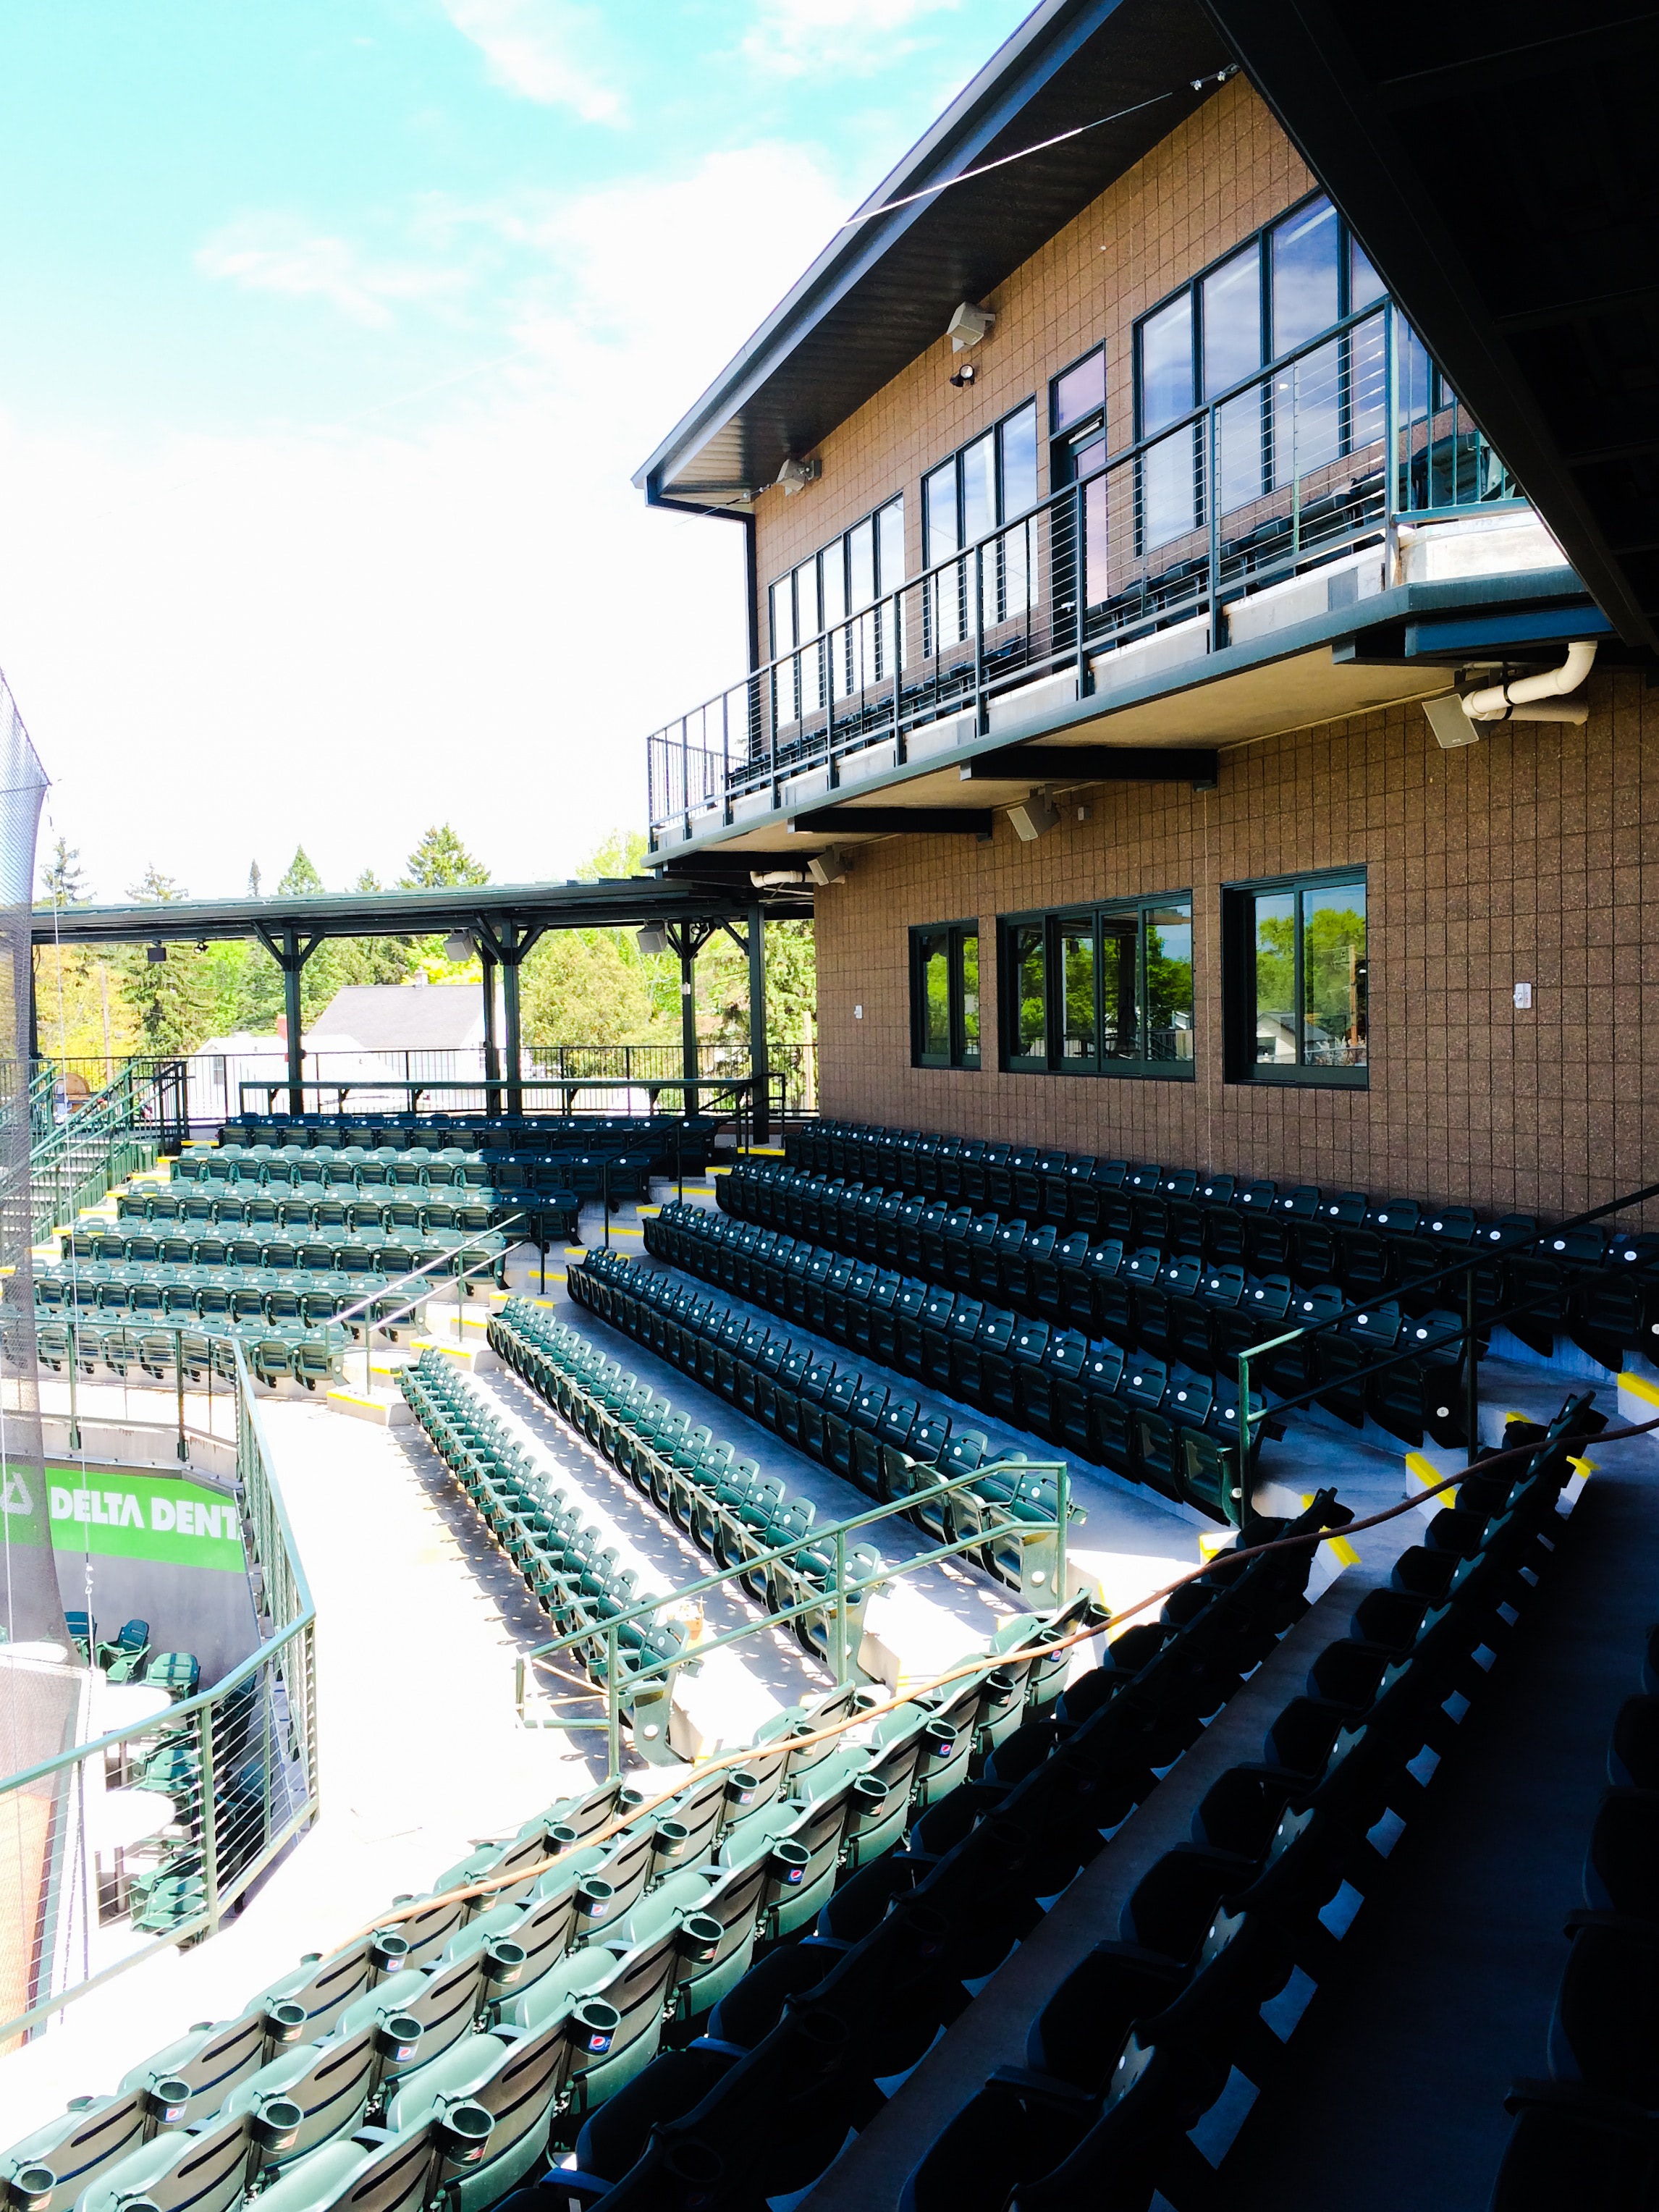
x: 1150, y: 1419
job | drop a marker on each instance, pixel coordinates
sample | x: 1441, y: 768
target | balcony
x: 1346, y: 474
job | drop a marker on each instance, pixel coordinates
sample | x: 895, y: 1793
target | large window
x: 1104, y: 990
x: 989, y: 483
x: 1299, y: 276
x: 944, y: 996
x: 1297, y: 980
x: 835, y: 590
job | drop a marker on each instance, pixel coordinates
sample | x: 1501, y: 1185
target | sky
x: 331, y: 334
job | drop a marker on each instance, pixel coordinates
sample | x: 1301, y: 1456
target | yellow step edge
x: 1640, y: 1387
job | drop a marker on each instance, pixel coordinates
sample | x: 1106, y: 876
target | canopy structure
x: 504, y: 922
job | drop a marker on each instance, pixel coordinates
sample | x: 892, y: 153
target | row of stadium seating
x: 201, y: 1208
x: 1150, y: 1421
x: 1601, y: 1294
x: 129, y: 1657
x: 1585, y: 2134
x: 564, y: 1561
x: 1224, y: 1942
x: 472, y: 1177
x: 178, y: 1293
x: 363, y: 1250
x: 310, y: 1352
x: 672, y: 1140
x: 891, y: 1450
x: 483, y: 2026
x: 1185, y: 1347
x: 797, y: 2054
x: 724, y: 1504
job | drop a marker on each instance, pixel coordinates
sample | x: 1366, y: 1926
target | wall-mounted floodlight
x: 1034, y: 817
x: 968, y: 325
x: 794, y: 476
x: 652, y: 939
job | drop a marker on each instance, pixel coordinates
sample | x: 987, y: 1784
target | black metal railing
x: 1159, y: 557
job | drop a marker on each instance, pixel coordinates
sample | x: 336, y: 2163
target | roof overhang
x: 1498, y: 165
x: 712, y: 892
x: 883, y: 288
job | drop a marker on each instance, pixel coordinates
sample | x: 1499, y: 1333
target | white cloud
x: 543, y: 50
x: 791, y: 37
x: 342, y: 635
x: 266, y: 254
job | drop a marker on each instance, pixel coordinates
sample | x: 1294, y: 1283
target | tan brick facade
x: 1226, y: 171
x: 1526, y: 858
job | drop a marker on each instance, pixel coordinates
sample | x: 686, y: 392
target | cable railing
x: 1193, y: 539
x: 143, y: 1837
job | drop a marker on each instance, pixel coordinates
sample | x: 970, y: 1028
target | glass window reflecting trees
x: 986, y: 485
x: 1297, y: 980
x: 1104, y: 990
x: 944, y: 996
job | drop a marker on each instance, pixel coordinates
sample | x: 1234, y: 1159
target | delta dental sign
x: 126, y: 1515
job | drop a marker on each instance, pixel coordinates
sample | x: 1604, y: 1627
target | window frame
x: 1238, y: 958
x: 961, y: 1056
x: 934, y: 557
x: 1053, y: 920
x: 838, y: 549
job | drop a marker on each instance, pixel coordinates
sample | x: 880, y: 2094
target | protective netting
x: 30, y: 1608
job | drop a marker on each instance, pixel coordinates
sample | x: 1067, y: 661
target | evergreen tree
x: 63, y: 880
x: 172, y: 997
x: 440, y: 862
x: 254, y: 880
x: 375, y: 959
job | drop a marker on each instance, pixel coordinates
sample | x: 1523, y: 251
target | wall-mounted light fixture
x: 964, y: 376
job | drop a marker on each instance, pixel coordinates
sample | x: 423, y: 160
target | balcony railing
x: 1161, y: 557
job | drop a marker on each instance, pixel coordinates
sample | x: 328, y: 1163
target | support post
x: 689, y: 1022
x: 759, y: 1069
x: 292, y: 963
x: 1471, y: 1370
x: 492, y: 1058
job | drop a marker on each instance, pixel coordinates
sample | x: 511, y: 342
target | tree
x: 63, y: 881
x: 254, y: 880
x: 172, y: 997
x: 375, y: 959
x: 440, y: 862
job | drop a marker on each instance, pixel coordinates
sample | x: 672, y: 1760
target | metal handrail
x: 1467, y: 1335
x: 285, y: 1657
x: 837, y: 1595
x: 727, y: 776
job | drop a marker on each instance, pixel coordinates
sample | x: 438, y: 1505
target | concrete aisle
x: 421, y: 1753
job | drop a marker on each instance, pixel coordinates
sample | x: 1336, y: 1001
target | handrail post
x: 1471, y: 1369
x: 613, y: 1708
x: 209, y: 1819
x: 74, y: 1371
x: 1243, y: 1432
x: 1063, y: 1494
x: 841, y: 1607
x: 178, y: 1380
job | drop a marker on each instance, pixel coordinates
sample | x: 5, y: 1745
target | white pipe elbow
x: 1493, y: 704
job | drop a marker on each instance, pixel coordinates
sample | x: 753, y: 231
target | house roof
x: 399, y: 1017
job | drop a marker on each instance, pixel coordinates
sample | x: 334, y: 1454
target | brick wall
x: 1226, y: 171
x: 1526, y: 858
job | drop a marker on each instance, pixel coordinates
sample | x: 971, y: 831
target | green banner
x: 129, y: 1515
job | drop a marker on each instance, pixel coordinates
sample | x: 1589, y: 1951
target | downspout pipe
x: 1498, y: 702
